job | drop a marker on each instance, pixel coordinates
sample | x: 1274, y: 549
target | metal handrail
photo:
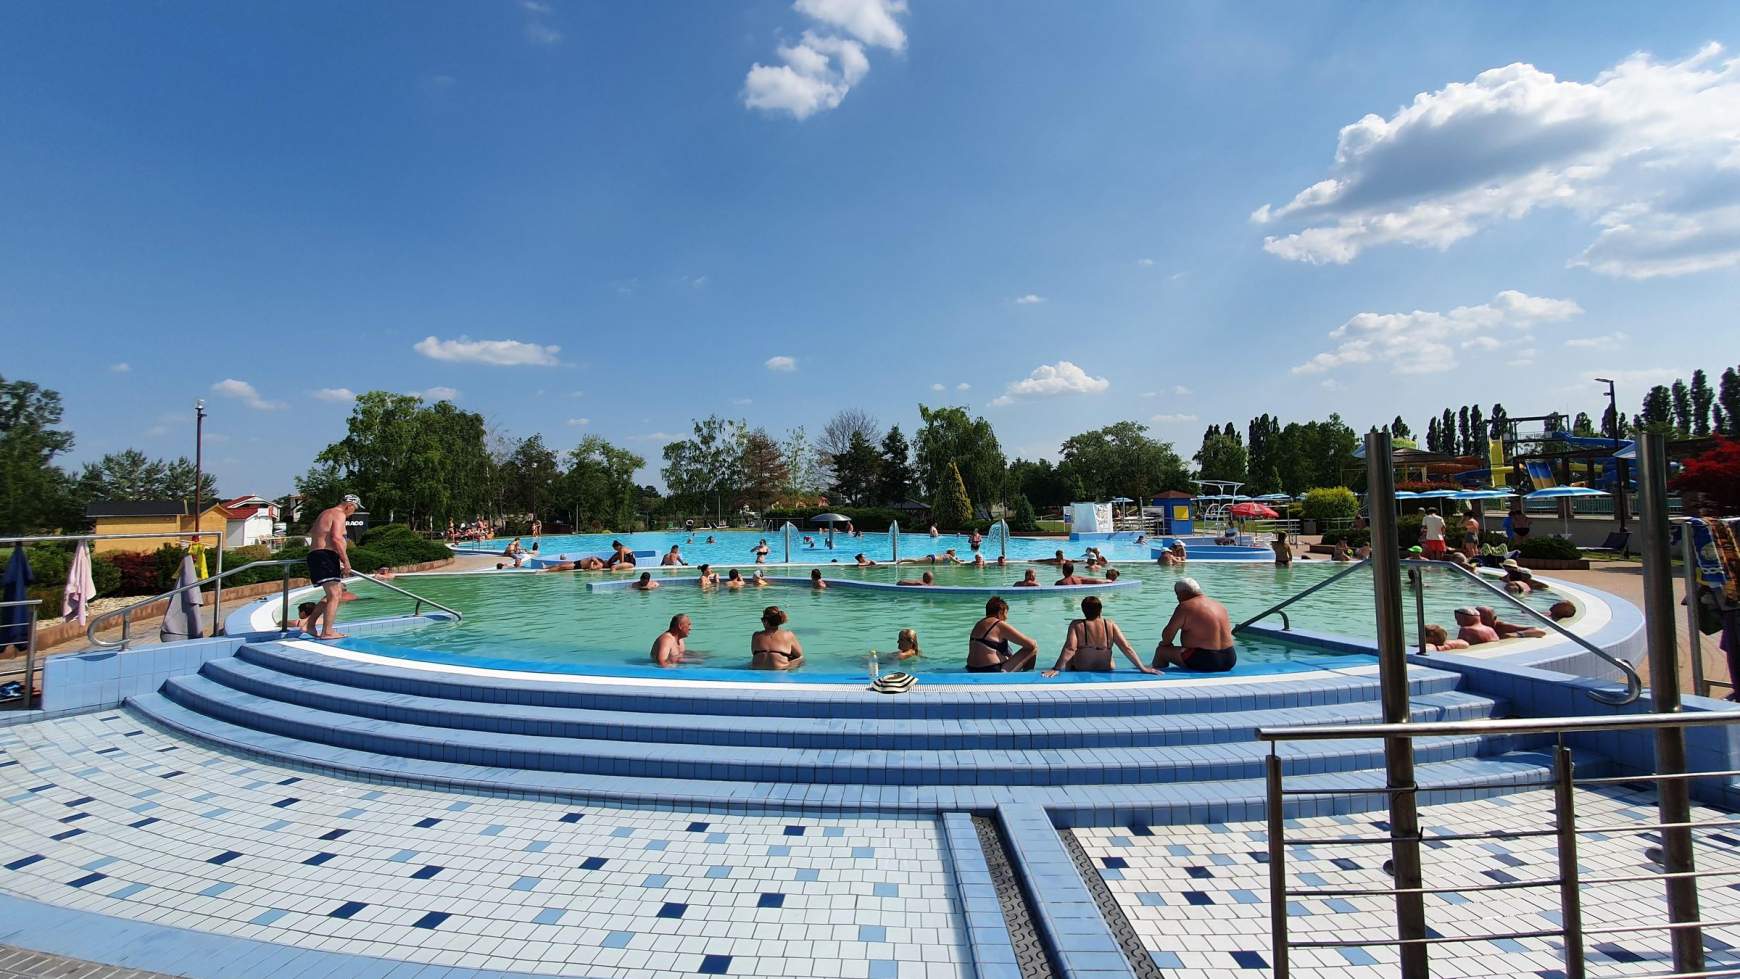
x: 29, y: 645
x: 1278, y: 606
x: 1507, y: 725
x: 285, y: 563
x: 1633, y: 683
x: 121, y: 643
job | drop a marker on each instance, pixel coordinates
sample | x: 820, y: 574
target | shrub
x: 1330, y: 503
x: 105, y: 575
x: 1549, y: 548
x: 138, y: 572
x: 397, y: 544
x: 1355, y: 539
x: 1024, y: 520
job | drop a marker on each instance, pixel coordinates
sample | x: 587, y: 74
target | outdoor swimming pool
x: 552, y: 622
x: 736, y: 546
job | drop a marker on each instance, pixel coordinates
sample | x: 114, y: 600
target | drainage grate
x: 1030, y: 952
x: 1141, y: 963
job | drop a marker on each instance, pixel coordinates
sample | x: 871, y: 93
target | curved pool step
x: 792, y: 699
x: 896, y: 766
x: 1101, y: 805
x: 851, y: 733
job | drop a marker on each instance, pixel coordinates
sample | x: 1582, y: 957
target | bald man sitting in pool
x: 1028, y: 580
x: 1204, y: 630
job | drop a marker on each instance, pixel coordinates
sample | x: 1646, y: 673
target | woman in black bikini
x: 1088, y: 647
x: 774, y: 648
x: 988, y: 644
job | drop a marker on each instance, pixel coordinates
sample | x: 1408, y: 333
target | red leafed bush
x: 139, y: 572
x: 1714, y: 474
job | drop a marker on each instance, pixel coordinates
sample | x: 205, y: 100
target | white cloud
x: 1029, y: 300
x: 1182, y: 391
x: 742, y: 402
x: 1049, y: 380
x: 538, y: 29
x: 815, y: 74
x: 500, y: 353
x: 1606, y: 341
x: 438, y: 393
x: 1171, y: 419
x: 1420, y: 342
x: 1646, y: 151
x: 695, y: 281
x: 1146, y: 263
x: 244, y: 392
x: 963, y: 386
x: 652, y: 437
x: 579, y: 422
x: 120, y: 368
x: 781, y: 363
x: 333, y: 394
x: 1632, y: 379
x: 939, y: 387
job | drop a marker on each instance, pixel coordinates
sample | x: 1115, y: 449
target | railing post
x: 217, y: 601
x: 1689, y: 564
x: 284, y: 616
x: 1673, y: 796
x: 1277, y: 868
x: 1570, y: 900
x: 1393, y: 684
x: 1417, y: 582
x: 30, y: 659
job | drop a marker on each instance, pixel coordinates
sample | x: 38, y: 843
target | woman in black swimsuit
x: 1088, y: 646
x: 774, y: 648
x: 988, y: 645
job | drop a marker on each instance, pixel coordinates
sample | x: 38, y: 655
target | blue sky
x: 1084, y: 213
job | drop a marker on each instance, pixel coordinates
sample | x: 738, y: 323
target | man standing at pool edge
x: 328, y: 561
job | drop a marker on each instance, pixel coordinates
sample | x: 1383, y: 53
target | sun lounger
x: 1618, y: 542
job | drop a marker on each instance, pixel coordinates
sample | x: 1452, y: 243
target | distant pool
x: 551, y: 622
x: 737, y: 546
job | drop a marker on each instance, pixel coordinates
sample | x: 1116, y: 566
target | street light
x: 1620, y: 507
x: 198, y: 460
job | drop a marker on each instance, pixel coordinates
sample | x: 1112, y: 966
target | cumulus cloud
x: 120, y: 368
x: 1420, y: 342
x: 1646, y: 151
x: 1146, y: 263
x: 1050, y: 380
x: 815, y: 73
x: 245, y: 393
x: 438, y: 393
x: 500, y: 353
x: 1182, y: 391
x: 538, y: 29
x: 333, y: 394
x: 963, y: 386
x: 1169, y: 419
x: 579, y: 422
x: 1029, y: 300
x: 781, y: 363
x: 1606, y: 341
x: 939, y: 387
x: 742, y: 402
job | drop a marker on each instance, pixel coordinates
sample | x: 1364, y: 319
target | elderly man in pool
x: 1204, y: 630
x: 668, y: 649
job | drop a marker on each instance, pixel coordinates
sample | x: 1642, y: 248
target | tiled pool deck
x: 1198, y: 895
x: 104, y: 814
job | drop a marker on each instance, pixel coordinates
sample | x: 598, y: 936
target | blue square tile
x: 346, y: 910
x: 672, y: 909
x: 617, y: 939
x: 771, y: 899
x: 872, y: 933
x: 885, y: 890
x: 656, y: 880
x: 884, y: 969
x: 695, y: 828
x: 593, y: 863
x: 714, y: 965
x: 267, y: 917
x: 426, y: 822
x: 548, y: 916
x: 794, y: 831
x: 1250, y: 960
x: 431, y: 920
x: 573, y: 817
x: 864, y: 852
x: 427, y: 872
x: 718, y: 873
x: 808, y: 873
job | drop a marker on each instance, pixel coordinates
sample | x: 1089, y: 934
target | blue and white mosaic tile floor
x: 102, y: 813
x: 1198, y: 895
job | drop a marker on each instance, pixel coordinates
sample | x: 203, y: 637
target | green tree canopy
x: 857, y: 471
x: 1120, y: 460
x: 895, y: 478
x: 1222, y: 455
x: 949, y: 435
x: 952, y: 510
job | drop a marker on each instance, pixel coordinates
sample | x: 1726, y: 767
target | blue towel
x: 14, y: 585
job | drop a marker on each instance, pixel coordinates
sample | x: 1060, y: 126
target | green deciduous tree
x: 703, y: 471
x: 530, y: 476
x: 762, y: 464
x: 1119, y: 460
x: 1222, y: 455
x: 35, y: 495
x: 1658, y: 409
x: 1702, y: 399
x: 598, y: 490
x: 410, y: 462
x: 950, y: 435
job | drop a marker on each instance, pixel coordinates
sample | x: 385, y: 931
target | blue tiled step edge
x: 811, y: 732
x: 1039, y: 766
x: 773, y: 699
x: 1074, y: 805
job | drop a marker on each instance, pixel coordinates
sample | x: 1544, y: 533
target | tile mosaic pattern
x: 102, y: 813
x: 1198, y: 895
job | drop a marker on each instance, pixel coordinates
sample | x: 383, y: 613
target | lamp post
x: 198, y: 461
x: 1620, y: 506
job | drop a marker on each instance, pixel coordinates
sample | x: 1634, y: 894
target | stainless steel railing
x: 98, y: 623
x: 1684, y: 922
x: 29, y: 645
x: 1278, y: 607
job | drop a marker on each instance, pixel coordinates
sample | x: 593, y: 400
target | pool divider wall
x: 622, y: 584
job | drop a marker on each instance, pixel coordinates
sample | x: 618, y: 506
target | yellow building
x: 150, y: 517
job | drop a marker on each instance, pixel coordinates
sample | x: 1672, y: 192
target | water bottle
x: 875, y: 667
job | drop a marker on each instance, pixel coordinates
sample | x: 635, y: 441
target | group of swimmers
x: 1198, y: 637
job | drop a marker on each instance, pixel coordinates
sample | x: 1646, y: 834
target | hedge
x: 1549, y: 548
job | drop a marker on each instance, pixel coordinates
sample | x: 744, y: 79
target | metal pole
x: 284, y: 616
x: 1417, y: 582
x: 1689, y: 564
x: 217, y: 606
x: 198, y: 460
x: 1673, y: 796
x: 1570, y: 899
x: 1393, y: 684
x: 1277, y: 868
x: 30, y: 659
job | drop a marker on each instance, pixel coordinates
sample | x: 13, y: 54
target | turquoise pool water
x: 552, y: 622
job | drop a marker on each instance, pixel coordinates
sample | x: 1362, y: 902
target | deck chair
x: 1618, y: 542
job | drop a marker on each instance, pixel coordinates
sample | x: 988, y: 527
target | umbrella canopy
x: 1438, y: 494
x: 1488, y: 494
x: 1122, y: 499
x: 1252, y: 510
x: 15, y: 619
x: 1274, y: 498
x: 1560, y: 492
x: 1407, y: 495
x: 830, y: 518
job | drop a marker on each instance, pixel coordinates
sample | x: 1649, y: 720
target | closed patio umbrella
x: 181, y: 620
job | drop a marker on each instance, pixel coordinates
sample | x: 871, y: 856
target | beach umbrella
x: 1122, y: 499
x: 1252, y: 510
x: 1564, y: 493
x: 1274, y: 498
x: 830, y: 518
x: 1485, y: 494
x: 1438, y: 494
x: 1407, y: 495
